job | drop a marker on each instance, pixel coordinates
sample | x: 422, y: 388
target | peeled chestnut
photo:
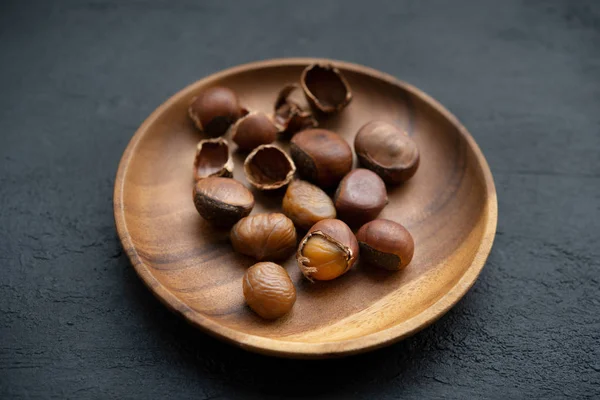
x: 268, y: 167
x: 290, y: 117
x: 305, y: 204
x: 385, y: 244
x: 268, y: 290
x: 264, y: 236
x: 360, y: 197
x: 213, y: 159
x: 321, y: 156
x: 253, y: 130
x: 325, y: 87
x: 222, y: 201
x: 215, y: 109
x: 328, y: 250
x: 387, y: 150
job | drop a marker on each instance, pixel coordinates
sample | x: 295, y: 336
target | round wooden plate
x: 449, y: 206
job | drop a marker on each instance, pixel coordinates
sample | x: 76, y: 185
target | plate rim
x: 291, y: 349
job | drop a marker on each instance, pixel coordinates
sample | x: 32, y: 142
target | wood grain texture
x: 449, y: 206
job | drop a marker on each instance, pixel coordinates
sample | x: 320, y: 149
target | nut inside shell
x: 360, y: 197
x: 385, y: 244
x: 268, y: 167
x: 222, y: 201
x: 252, y: 130
x: 214, y: 110
x: 213, y: 159
x: 325, y: 88
x: 290, y: 117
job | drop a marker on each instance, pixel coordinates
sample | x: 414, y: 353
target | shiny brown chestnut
x: 387, y: 150
x: 290, y: 117
x: 360, y: 197
x: 253, y: 130
x: 222, y: 201
x: 325, y: 88
x: 268, y: 167
x: 385, y: 244
x: 306, y: 204
x: 321, y: 156
x: 328, y: 250
x: 264, y: 236
x: 214, y: 110
x: 213, y: 159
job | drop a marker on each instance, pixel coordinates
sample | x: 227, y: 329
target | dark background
x: 78, y: 77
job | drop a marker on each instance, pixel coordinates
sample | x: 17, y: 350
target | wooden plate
x: 449, y: 206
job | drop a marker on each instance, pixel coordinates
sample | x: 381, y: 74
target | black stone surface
x: 78, y: 77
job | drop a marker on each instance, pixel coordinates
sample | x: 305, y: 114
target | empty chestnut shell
x: 222, y: 201
x: 321, y: 156
x: 289, y: 116
x: 268, y: 167
x: 388, y: 151
x: 215, y: 109
x: 360, y: 197
x: 253, y: 130
x: 213, y: 159
x: 264, y: 236
x: 325, y: 88
x: 385, y: 244
x: 305, y: 204
x: 328, y: 250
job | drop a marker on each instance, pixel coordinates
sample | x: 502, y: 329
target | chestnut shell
x: 214, y: 110
x: 385, y: 244
x: 222, y: 201
x: 213, y: 159
x: 268, y: 167
x: 325, y: 88
x: 360, y: 197
x: 252, y: 130
x: 290, y: 117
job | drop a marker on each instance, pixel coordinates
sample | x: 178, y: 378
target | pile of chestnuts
x: 320, y: 161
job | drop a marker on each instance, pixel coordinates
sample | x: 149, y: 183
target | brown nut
x: 253, y: 130
x: 305, y: 204
x: 321, y: 156
x: 360, y: 197
x: 385, y: 244
x: 328, y: 250
x: 264, y: 236
x: 213, y: 159
x: 215, y: 109
x: 325, y: 88
x: 268, y: 290
x: 388, y: 151
x: 268, y: 167
x: 289, y: 116
x: 222, y: 201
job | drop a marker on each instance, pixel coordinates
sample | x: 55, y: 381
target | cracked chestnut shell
x: 268, y: 167
x: 214, y: 110
x: 387, y: 150
x: 253, y: 130
x: 264, y: 236
x: 213, y: 159
x: 306, y: 204
x: 328, y: 250
x: 321, y: 156
x: 325, y: 88
x: 290, y: 117
x: 268, y: 290
x: 222, y: 201
x: 360, y: 197
x: 385, y: 244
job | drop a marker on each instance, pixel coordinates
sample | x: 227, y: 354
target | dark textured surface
x: 78, y: 77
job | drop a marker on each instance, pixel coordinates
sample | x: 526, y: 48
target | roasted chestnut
x: 321, y: 156
x: 325, y: 87
x: 387, y: 150
x: 213, y: 159
x: 385, y: 244
x: 253, y: 130
x: 305, y: 204
x: 360, y: 197
x: 222, y: 201
x: 214, y: 110
x: 290, y: 117
x: 268, y: 167
x: 264, y: 236
x: 268, y: 290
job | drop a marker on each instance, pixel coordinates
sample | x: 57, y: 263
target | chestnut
x: 328, y: 250
x: 360, y: 197
x: 385, y: 244
x: 305, y: 204
x: 213, y: 159
x: 325, y: 87
x: 321, y: 156
x: 268, y: 290
x: 253, y: 130
x: 222, y: 201
x: 387, y: 150
x: 264, y: 236
x: 289, y: 116
x: 268, y: 167
x: 214, y: 110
